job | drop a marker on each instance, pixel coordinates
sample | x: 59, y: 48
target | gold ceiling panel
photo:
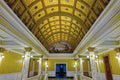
x: 39, y: 15
x: 50, y: 2
x: 55, y: 23
x: 98, y: 7
x: 36, y: 7
x: 47, y: 34
x: 66, y: 18
x: 65, y: 23
x: 89, y: 2
x: 58, y: 22
x: 44, y: 22
x: 28, y: 2
x: 56, y: 30
x: 52, y: 9
x: 45, y: 27
x: 67, y: 2
x: 55, y: 27
x: 65, y: 27
x: 67, y: 9
x: 79, y: 15
x: 82, y: 7
x: 54, y: 18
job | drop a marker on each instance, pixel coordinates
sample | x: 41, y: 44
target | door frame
x: 60, y: 63
x: 107, y: 55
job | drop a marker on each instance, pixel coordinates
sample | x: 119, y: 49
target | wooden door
x: 108, y: 68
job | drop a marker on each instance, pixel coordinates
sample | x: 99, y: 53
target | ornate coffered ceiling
x: 58, y: 21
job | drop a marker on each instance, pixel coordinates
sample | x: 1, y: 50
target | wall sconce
x: 1, y: 52
x: 87, y: 56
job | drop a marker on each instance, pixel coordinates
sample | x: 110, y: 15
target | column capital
x: 91, y: 49
x: 41, y: 56
x: 117, y: 49
x: 46, y: 59
x: 80, y: 56
x: 2, y: 49
x: 75, y: 59
x: 28, y: 49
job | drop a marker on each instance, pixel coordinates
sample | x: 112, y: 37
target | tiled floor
x: 60, y: 79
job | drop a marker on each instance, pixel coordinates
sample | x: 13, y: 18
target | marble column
x: 89, y: 70
x: 33, y: 66
x: 1, y: 54
x: 40, y: 65
x: 75, y: 66
x: 81, y: 66
x: 118, y: 55
x: 98, y: 69
x: 46, y: 68
x: 26, y: 61
x: 93, y: 63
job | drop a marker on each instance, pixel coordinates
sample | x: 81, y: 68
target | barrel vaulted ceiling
x: 58, y: 22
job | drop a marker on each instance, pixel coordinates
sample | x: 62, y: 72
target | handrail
x: 46, y: 77
x: 34, y: 77
x: 75, y: 77
x: 84, y: 77
x: 38, y: 77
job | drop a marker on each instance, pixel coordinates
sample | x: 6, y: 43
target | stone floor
x: 60, y: 78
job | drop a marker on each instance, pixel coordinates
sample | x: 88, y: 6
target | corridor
x: 59, y: 39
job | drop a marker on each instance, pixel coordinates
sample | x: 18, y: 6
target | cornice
x: 105, y: 25
x: 15, y: 27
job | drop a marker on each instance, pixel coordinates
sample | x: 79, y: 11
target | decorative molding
x: 33, y: 78
x: 61, y: 56
x: 102, y: 28
x: 14, y: 26
x: 106, y: 25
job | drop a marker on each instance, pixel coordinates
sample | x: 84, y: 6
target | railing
x: 75, y: 77
x: 81, y: 77
x: 33, y: 78
x: 41, y: 77
x: 85, y: 77
x: 46, y: 77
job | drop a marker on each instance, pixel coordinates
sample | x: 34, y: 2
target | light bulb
x: 3, y: 56
x: 23, y: 56
x: 96, y: 56
x: 87, y: 56
x: 31, y: 56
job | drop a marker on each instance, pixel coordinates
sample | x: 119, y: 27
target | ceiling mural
x: 60, y: 47
x: 59, y: 25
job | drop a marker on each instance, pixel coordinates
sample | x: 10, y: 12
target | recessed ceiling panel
x: 59, y: 25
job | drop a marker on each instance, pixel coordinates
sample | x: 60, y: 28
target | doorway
x: 60, y: 70
x: 108, y: 68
